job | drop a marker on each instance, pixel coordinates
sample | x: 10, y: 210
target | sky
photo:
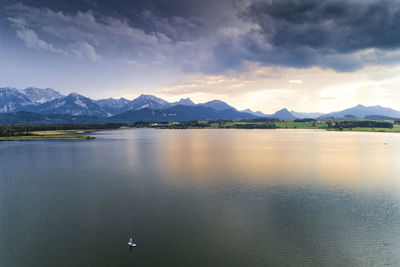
x: 305, y: 55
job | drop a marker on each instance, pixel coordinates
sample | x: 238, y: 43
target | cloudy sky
x: 306, y: 55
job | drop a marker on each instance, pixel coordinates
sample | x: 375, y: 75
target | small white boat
x: 130, y: 243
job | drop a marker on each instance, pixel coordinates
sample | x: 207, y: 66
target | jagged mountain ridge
x: 73, y: 104
x: 145, y: 101
x: 12, y: 100
x: 24, y: 117
x: 175, y: 113
x: 180, y: 113
x: 111, y: 105
x: 50, y: 101
x: 184, y: 101
x: 40, y: 96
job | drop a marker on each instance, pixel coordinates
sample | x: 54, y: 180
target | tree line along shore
x: 53, y: 131
x: 75, y: 131
x: 265, y: 123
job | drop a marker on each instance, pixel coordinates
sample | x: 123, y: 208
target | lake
x: 202, y: 198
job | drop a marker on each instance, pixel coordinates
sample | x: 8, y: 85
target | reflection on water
x: 202, y: 198
x: 280, y: 157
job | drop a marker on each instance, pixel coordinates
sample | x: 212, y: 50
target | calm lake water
x: 202, y: 198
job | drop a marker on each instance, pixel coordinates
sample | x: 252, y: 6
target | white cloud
x: 295, y: 81
x: 83, y: 49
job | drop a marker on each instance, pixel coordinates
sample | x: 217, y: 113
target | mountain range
x: 35, y: 105
x: 361, y: 111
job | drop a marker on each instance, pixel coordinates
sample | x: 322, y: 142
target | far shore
x: 343, y: 126
x: 77, y: 134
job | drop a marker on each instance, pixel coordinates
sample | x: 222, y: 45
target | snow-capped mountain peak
x: 73, y: 104
x: 12, y: 100
x: 151, y: 98
x: 185, y: 101
x: 40, y: 96
x: 146, y: 101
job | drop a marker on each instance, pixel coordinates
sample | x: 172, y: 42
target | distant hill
x: 179, y: 113
x: 233, y: 114
x: 283, y: 114
x: 361, y: 111
x: 218, y: 105
x: 379, y: 117
x: 23, y: 117
x: 308, y: 115
x: 255, y: 113
x: 350, y: 116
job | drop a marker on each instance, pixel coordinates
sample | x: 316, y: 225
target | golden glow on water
x: 281, y: 157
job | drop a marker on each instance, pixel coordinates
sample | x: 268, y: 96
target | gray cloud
x: 83, y: 49
x: 30, y: 37
x: 338, y: 25
x: 326, y: 33
x: 83, y: 34
x: 216, y: 36
x: 174, y: 27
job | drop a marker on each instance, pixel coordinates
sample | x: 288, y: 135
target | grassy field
x: 300, y: 125
x: 395, y: 129
x: 59, y: 134
x: 290, y: 124
x: 237, y: 124
x: 72, y: 134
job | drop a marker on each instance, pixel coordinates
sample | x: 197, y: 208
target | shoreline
x: 54, y: 132
x: 57, y: 135
x: 46, y: 137
x: 74, y: 134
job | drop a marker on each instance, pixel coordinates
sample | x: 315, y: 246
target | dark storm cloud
x: 90, y: 34
x: 214, y: 36
x: 176, y: 19
x: 302, y: 33
x: 340, y: 25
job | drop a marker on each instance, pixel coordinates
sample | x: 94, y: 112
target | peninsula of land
x: 67, y: 131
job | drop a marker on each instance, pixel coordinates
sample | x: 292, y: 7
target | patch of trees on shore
x: 359, y: 124
x: 250, y: 126
x: 28, y: 130
x: 261, y: 119
x: 305, y: 120
x: 220, y: 124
